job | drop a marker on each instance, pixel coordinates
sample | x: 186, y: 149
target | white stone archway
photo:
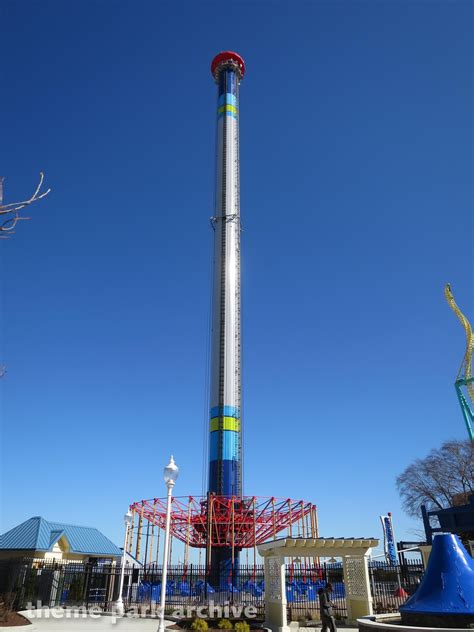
x: 354, y: 553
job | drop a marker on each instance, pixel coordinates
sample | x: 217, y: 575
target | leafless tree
x: 10, y: 216
x: 10, y: 213
x: 445, y: 478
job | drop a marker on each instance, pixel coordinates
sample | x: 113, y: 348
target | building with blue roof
x: 41, y: 539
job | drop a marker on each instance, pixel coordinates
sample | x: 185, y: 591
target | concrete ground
x: 55, y: 620
x: 58, y: 622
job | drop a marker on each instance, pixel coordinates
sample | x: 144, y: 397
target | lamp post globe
x: 170, y: 474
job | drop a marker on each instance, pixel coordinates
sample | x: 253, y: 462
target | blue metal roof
x: 38, y: 534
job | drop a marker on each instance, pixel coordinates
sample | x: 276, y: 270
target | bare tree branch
x: 11, y: 211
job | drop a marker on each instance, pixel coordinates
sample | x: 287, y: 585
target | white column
x: 275, y: 594
x: 357, y: 583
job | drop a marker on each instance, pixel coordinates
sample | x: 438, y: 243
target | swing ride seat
x: 170, y: 589
x: 184, y: 589
x: 339, y: 590
x: 156, y: 592
x: 311, y: 593
x: 144, y: 591
x: 201, y: 586
x: 253, y: 588
x: 291, y: 592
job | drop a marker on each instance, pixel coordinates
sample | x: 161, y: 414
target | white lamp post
x: 170, y: 475
x: 119, y: 607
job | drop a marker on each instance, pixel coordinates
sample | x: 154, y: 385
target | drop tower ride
x: 225, y: 444
x: 224, y: 521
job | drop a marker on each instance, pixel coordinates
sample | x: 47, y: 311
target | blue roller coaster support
x: 467, y: 412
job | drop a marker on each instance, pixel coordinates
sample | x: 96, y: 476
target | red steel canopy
x: 240, y: 522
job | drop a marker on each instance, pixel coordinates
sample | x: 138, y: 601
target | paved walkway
x: 58, y: 622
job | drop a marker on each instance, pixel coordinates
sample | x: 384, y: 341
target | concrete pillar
x: 357, y: 583
x: 425, y: 550
x: 275, y: 594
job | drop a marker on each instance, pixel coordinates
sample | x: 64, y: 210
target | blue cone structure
x: 445, y: 596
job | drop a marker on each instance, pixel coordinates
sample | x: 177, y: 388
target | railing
x: 49, y: 583
x: 303, y: 584
x: 392, y: 585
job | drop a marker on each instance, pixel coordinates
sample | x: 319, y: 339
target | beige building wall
x: 51, y: 556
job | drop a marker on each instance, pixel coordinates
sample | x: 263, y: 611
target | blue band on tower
x: 225, y: 411
x: 227, y: 99
x: 224, y: 445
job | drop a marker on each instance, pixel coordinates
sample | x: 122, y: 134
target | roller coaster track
x: 465, y: 370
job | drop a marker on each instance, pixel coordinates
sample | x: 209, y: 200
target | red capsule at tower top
x: 226, y: 56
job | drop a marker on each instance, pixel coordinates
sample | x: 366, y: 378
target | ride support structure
x: 464, y: 383
x: 214, y: 523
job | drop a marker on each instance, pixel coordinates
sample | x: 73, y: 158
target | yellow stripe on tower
x: 227, y: 108
x: 225, y: 423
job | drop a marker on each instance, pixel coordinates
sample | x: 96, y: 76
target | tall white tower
x: 225, y: 454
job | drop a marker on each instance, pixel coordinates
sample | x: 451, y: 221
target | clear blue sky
x: 356, y: 133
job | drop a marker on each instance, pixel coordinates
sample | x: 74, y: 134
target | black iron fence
x: 303, y: 584
x: 392, y: 585
x: 50, y: 583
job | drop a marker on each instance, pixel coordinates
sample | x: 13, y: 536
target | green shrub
x: 200, y: 625
x: 225, y: 624
x: 242, y: 626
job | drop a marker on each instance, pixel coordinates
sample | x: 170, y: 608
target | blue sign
x: 389, y: 540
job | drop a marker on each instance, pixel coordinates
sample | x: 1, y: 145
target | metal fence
x: 50, y: 583
x: 303, y: 584
x: 392, y: 585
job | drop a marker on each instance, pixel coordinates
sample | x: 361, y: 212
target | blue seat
x: 184, y: 589
x: 201, y: 586
x: 156, y: 592
x: 253, y: 588
x: 311, y: 593
x: 291, y: 593
x: 144, y: 591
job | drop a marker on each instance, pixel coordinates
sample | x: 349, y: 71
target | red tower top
x: 227, y: 55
